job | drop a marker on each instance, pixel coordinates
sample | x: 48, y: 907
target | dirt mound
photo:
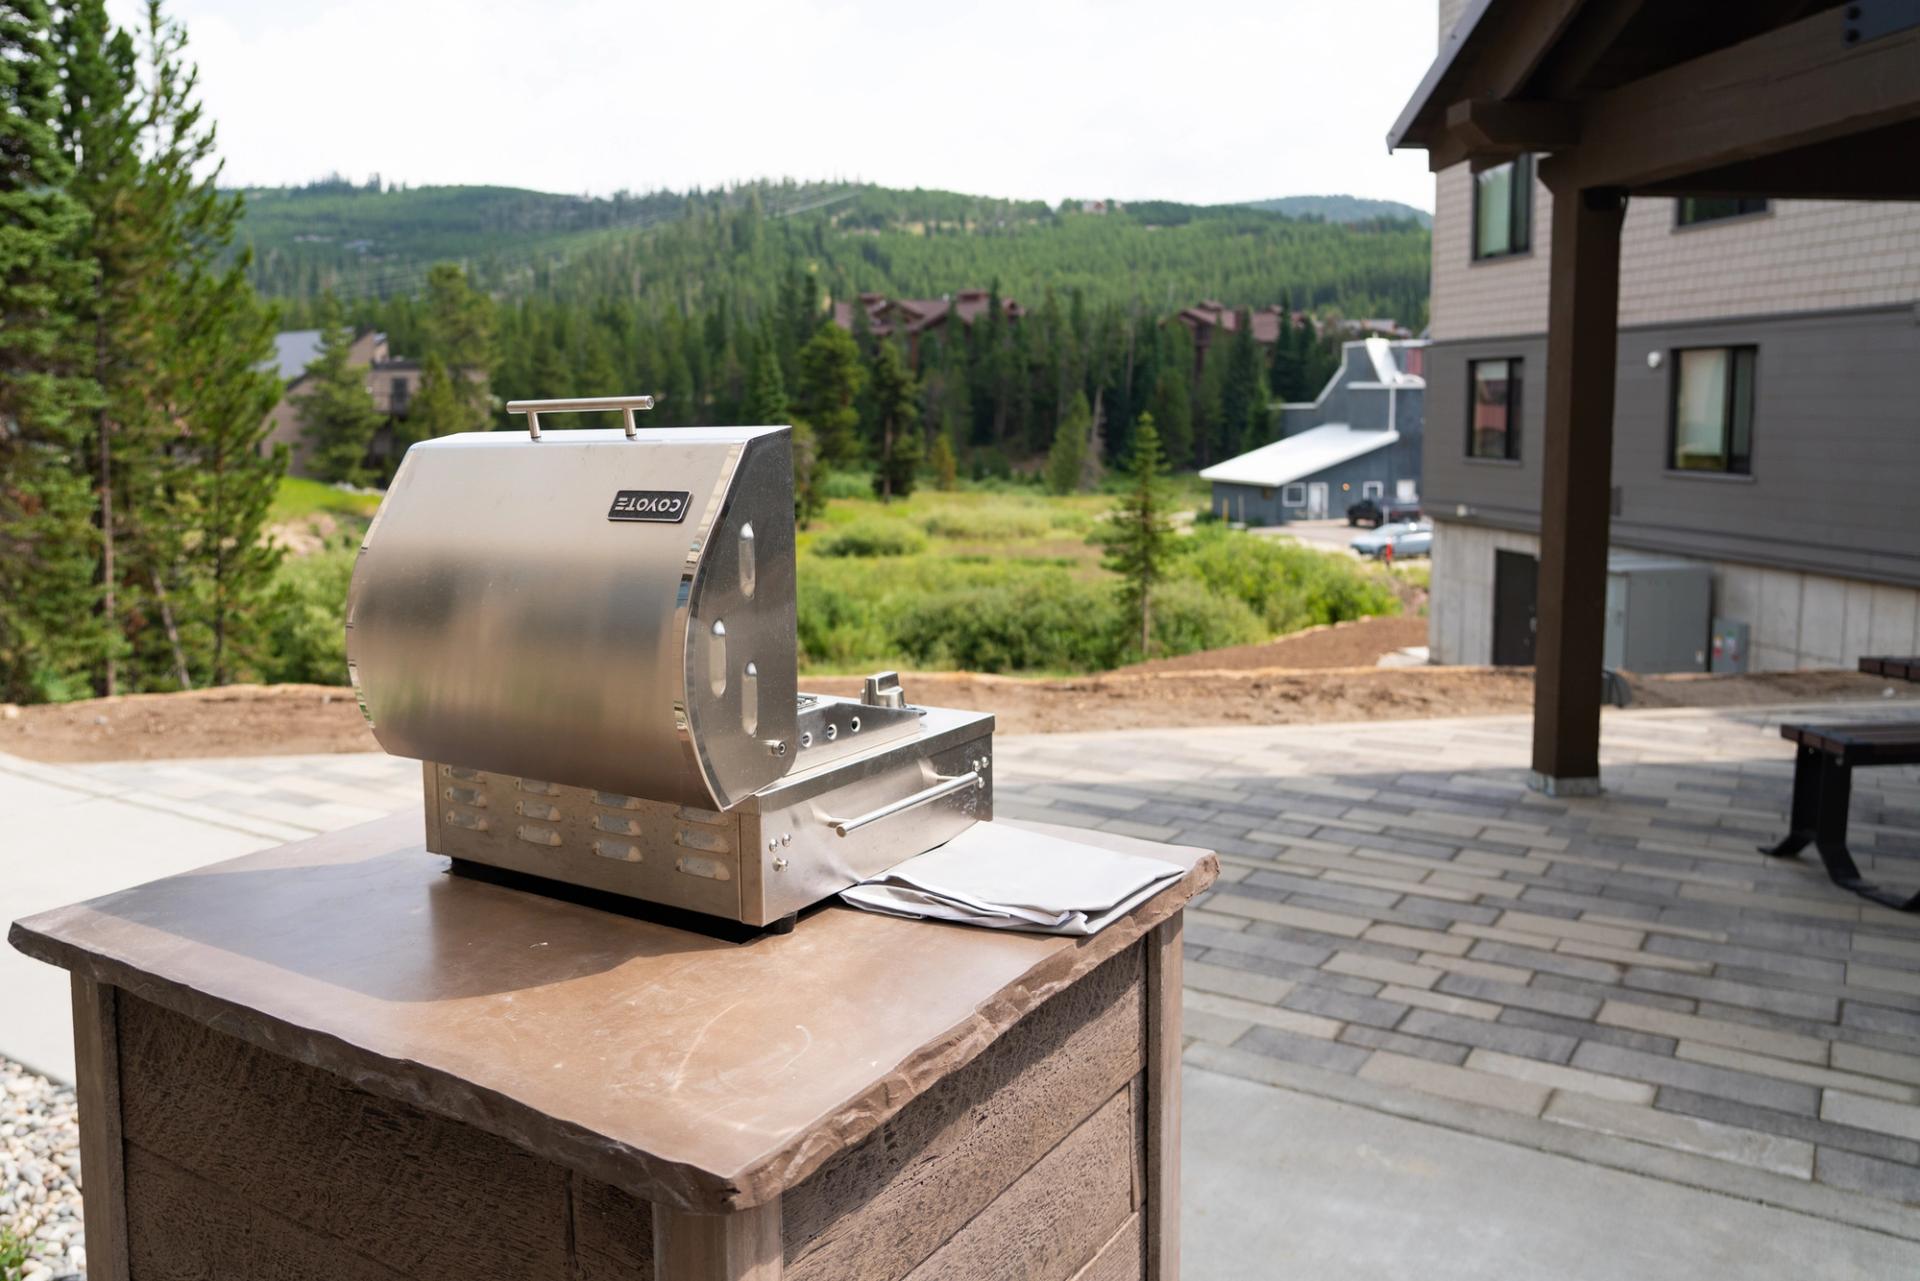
x: 1360, y: 643
x: 236, y: 720
x: 255, y: 720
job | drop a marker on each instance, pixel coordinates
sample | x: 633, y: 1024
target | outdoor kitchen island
x: 336, y: 1060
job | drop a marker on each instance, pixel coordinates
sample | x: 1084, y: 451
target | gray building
x: 1765, y: 422
x: 1360, y: 438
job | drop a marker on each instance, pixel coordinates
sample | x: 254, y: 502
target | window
x: 1692, y: 210
x: 1493, y: 409
x: 402, y: 394
x: 1293, y: 496
x: 1713, y: 410
x: 1372, y: 488
x: 1503, y: 209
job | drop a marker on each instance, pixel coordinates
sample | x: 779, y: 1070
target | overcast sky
x: 1206, y: 102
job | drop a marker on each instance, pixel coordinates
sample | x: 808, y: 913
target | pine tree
x: 1138, y: 535
x: 946, y: 468
x: 337, y: 414
x: 127, y: 249
x: 458, y: 327
x: 50, y: 631
x: 831, y: 379
x: 199, y: 545
x: 896, y: 408
x: 1067, y: 459
x: 434, y: 410
x: 1243, y: 392
x: 1171, y: 400
x: 766, y: 387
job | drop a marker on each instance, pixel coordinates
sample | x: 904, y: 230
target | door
x: 1317, y: 500
x: 1516, y: 580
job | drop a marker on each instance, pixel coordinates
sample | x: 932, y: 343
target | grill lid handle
x: 580, y: 405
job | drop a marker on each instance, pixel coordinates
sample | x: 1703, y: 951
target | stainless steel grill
x: 588, y: 638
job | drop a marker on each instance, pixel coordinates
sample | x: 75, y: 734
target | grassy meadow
x: 998, y: 579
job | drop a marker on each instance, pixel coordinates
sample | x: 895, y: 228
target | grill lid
x: 605, y: 609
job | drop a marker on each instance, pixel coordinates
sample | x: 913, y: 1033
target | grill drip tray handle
x: 945, y: 786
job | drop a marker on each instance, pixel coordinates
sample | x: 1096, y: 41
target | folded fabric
x: 1009, y: 878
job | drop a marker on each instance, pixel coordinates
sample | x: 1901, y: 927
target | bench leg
x: 1806, y: 805
x: 1830, y: 837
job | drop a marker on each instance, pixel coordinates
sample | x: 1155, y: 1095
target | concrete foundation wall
x: 1797, y: 620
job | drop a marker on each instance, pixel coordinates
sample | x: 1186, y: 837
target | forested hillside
x: 358, y: 242
x: 1343, y: 209
x: 713, y: 291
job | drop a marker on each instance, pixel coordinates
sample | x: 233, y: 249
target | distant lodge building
x: 913, y: 317
x: 1206, y: 318
x: 1360, y: 438
x: 391, y: 381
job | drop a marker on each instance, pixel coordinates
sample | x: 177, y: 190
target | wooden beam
x: 103, y: 1154
x: 1164, y: 958
x: 1583, y: 296
x: 1487, y: 124
x: 745, y: 1246
x: 1792, y: 87
x: 1867, y: 166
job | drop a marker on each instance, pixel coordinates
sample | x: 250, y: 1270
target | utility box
x: 1659, y: 613
x: 1729, y: 647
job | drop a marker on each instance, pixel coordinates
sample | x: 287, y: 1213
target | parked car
x: 1383, y: 511
x: 1406, y: 538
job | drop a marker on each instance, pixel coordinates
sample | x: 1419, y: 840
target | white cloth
x: 1008, y: 878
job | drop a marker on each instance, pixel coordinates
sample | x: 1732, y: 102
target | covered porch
x: 1624, y: 98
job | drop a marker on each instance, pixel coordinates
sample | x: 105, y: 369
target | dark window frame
x: 1757, y: 206
x: 1516, y: 385
x: 1732, y: 402
x: 1519, y: 214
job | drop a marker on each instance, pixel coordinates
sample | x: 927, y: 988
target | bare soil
x: 1360, y: 643
x: 254, y: 720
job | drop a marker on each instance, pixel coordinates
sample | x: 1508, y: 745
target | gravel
x: 40, y: 1174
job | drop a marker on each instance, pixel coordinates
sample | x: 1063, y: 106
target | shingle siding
x: 1802, y: 255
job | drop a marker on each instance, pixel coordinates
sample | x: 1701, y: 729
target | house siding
x: 1833, y: 404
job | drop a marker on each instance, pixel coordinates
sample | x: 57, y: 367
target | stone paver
x: 1627, y: 965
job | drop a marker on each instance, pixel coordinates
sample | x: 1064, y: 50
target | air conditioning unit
x: 1659, y: 613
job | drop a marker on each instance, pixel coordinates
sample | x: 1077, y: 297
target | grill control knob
x: 883, y: 690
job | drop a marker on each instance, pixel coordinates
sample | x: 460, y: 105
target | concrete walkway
x: 1431, y: 1015
x: 75, y: 832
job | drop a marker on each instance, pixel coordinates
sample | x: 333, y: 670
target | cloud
x: 1233, y: 100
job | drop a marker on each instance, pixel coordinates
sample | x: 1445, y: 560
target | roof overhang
x: 1768, y: 97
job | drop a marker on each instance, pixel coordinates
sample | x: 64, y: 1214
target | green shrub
x: 1288, y: 586
x: 838, y: 626
x: 1050, y: 623
x: 872, y: 536
x: 1188, y: 617
x: 998, y: 521
x: 305, y: 615
x: 845, y: 484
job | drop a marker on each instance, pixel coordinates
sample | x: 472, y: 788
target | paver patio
x: 1402, y: 925
x: 1401, y: 922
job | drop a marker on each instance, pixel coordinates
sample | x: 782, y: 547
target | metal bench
x: 1900, y: 669
x: 1823, y: 766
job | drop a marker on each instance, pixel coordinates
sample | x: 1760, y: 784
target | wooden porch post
x: 1576, y: 486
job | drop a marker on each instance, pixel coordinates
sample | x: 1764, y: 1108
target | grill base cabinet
x: 336, y: 1061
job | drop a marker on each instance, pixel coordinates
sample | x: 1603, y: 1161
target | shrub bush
x: 1000, y: 520
x: 872, y: 536
x: 305, y: 640
x: 846, y: 484
x: 1044, y: 623
x: 1188, y: 617
x: 1287, y: 586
